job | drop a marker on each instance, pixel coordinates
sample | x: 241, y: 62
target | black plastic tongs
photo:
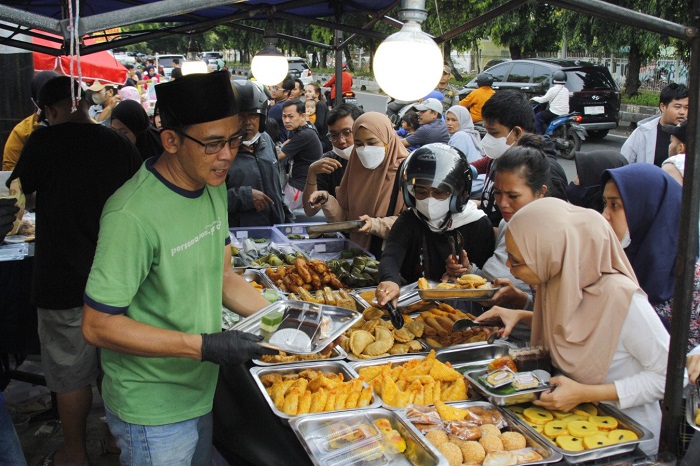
x: 395, y: 315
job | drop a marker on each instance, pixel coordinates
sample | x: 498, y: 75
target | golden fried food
x: 473, y: 452
x: 452, y: 453
x: 491, y: 443
x: 471, y: 280
x: 449, y: 413
x: 423, y: 284
x: 489, y: 429
x: 513, y: 440
x: 437, y: 437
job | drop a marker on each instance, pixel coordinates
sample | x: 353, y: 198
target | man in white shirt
x: 558, y: 98
x: 647, y: 143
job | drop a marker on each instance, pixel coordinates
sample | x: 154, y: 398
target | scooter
x: 567, y: 134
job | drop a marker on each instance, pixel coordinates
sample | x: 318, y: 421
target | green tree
x: 534, y: 27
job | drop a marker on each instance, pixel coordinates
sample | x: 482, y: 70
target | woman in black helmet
x: 440, y: 223
x: 558, y: 99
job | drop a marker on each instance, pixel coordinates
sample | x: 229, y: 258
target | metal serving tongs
x: 465, y: 324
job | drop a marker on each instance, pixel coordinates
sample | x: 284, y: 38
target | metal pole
x: 338, y: 38
x: 687, y: 253
x: 626, y: 16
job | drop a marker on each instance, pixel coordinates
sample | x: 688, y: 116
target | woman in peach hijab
x: 590, y: 313
x: 369, y: 190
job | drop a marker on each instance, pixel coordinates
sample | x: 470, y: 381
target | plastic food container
x: 269, y: 233
x: 308, y: 327
x: 355, y: 438
x: 298, y: 232
x: 329, y: 249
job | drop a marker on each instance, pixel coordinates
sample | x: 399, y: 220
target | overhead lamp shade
x: 269, y: 66
x: 408, y: 64
x: 194, y: 66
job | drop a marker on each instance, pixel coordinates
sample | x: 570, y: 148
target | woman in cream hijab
x: 590, y: 314
x: 369, y: 189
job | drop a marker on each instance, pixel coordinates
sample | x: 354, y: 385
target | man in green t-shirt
x: 160, y: 275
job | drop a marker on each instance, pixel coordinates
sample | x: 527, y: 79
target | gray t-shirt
x: 436, y: 131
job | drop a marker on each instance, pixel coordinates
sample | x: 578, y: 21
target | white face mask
x: 495, y: 147
x: 98, y: 98
x: 343, y: 153
x: 626, y: 239
x: 371, y: 156
x: 434, y: 209
x: 253, y: 140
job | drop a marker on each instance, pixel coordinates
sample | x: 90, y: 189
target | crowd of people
x: 586, y: 269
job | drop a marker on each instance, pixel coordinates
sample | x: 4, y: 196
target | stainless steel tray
x: 339, y: 367
x: 691, y: 404
x: 575, y: 457
x: 341, y: 320
x: 464, y: 357
x: 351, y: 357
x: 465, y: 294
x: 258, y: 276
x: 408, y: 295
x: 349, y: 225
x: 520, y: 396
x: 418, y: 450
x: 337, y: 354
x: 544, y: 448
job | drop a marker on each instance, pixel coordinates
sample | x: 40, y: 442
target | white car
x: 166, y: 62
x: 298, y: 68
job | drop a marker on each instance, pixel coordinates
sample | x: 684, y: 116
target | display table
x: 18, y: 328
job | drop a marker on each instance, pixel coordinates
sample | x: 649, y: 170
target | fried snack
x: 472, y: 452
x: 513, y: 440
x: 437, y: 437
x: 449, y: 413
x: 423, y: 284
x: 412, y: 383
x: 311, y: 275
x: 491, y: 443
x: 489, y: 429
x: 452, y: 453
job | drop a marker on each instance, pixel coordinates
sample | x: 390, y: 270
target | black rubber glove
x: 232, y: 347
x: 8, y: 210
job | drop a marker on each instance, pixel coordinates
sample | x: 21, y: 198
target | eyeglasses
x: 215, y: 147
x: 345, y: 134
x: 421, y: 193
x: 273, y: 88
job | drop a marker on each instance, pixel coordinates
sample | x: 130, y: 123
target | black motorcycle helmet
x: 252, y: 100
x: 559, y: 77
x: 439, y: 166
x: 484, y: 79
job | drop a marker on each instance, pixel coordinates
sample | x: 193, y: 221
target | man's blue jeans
x: 182, y: 443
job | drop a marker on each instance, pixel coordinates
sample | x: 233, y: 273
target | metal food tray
x: 691, y: 404
x: 337, y: 354
x: 466, y: 294
x: 461, y: 357
x: 408, y: 295
x: 258, y: 276
x: 338, y: 367
x: 418, y: 449
x: 348, y: 225
x: 520, y: 396
x: 394, y: 360
x: 544, y: 448
x: 351, y: 357
x: 341, y: 320
x: 575, y: 457
x: 287, y: 229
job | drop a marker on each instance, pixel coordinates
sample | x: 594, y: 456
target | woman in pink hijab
x: 590, y: 313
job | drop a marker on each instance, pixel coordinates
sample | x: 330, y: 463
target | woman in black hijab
x: 130, y: 119
x: 586, y: 190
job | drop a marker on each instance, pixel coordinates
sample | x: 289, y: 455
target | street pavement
x: 372, y: 102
